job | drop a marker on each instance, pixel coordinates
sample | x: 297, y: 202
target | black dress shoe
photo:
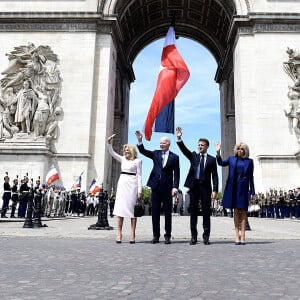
x: 118, y: 241
x: 206, y: 242
x: 155, y: 241
x: 132, y: 242
x: 167, y: 241
x: 193, y: 241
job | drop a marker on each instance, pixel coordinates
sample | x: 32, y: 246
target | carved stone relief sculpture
x: 30, y: 100
x: 292, y: 68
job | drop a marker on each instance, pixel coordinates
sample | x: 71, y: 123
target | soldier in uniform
x: 50, y: 199
x: 112, y: 203
x: 271, y: 202
x: 62, y: 204
x: 74, y: 204
x: 24, y: 193
x: 297, y: 214
x: 292, y: 203
x: 82, y: 204
x: 44, y: 200
x: 56, y: 203
x: 6, y: 196
x: 281, y: 204
x: 37, y: 192
x: 14, y: 197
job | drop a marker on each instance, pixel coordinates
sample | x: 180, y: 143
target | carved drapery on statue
x: 292, y: 68
x: 30, y: 94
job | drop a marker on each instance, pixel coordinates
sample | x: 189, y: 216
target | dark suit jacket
x: 166, y: 177
x: 210, y: 169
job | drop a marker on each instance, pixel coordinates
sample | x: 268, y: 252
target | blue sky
x: 197, y: 106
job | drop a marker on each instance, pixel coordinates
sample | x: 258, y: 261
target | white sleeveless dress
x: 128, y: 185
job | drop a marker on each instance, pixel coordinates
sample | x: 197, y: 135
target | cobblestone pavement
x: 67, y: 261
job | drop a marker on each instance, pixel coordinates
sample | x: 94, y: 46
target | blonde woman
x: 129, y: 187
x: 239, y: 186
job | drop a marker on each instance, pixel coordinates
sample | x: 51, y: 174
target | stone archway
x: 207, y: 22
x: 248, y: 39
x: 237, y: 34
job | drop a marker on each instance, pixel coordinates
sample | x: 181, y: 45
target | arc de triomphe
x: 78, y: 54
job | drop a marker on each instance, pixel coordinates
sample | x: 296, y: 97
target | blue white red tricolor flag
x: 94, y: 187
x: 173, y: 74
x: 77, y: 184
x: 52, y: 175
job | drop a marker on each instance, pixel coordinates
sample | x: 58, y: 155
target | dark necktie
x: 201, y: 171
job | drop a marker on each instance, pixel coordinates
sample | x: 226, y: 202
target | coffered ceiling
x: 205, y: 21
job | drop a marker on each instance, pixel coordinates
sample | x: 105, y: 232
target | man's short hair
x: 204, y: 140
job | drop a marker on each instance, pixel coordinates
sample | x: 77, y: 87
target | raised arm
x: 114, y: 154
x: 220, y: 161
x: 141, y: 147
x: 186, y: 152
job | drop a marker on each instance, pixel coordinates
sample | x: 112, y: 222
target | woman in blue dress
x: 239, y: 188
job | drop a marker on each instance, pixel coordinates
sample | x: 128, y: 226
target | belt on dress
x: 7, y: 191
x: 127, y: 173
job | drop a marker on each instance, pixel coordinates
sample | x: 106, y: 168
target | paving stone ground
x: 67, y: 261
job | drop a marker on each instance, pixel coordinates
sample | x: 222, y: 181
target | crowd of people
x: 55, y: 200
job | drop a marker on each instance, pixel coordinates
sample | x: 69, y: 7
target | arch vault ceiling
x: 205, y: 21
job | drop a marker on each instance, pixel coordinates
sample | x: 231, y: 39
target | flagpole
x: 76, y: 180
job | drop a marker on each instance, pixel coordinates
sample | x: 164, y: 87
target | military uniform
x: 6, y: 196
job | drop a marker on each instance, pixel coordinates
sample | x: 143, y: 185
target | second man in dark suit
x: 164, y: 183
x: 203, y: 171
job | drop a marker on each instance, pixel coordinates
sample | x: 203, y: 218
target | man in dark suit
x: 202, y: 172
x: 164, y: 183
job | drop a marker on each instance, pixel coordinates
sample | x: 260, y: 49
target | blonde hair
x: 244, y: 146
x: 132, y: 150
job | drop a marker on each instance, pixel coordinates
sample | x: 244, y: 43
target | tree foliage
x: 146, y: 195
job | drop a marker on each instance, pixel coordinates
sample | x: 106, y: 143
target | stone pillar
x: 102, y: 113
x: 227, y: 110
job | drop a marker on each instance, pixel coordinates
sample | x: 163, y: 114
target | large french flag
x: 173, y: 74
x: 52, y: 175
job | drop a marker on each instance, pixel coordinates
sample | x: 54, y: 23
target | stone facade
x: 96, y: 42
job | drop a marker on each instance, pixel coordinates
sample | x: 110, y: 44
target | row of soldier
x: 55, y: 201
x: 276, y: 204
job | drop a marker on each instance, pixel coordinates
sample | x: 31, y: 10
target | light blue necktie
x: 163, y: 156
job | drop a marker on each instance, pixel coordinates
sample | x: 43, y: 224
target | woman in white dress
x: 129, y: 187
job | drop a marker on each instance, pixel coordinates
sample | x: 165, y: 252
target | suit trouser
x: 199, y: 191
x: 157, y: 198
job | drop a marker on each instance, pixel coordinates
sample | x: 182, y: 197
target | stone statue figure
x: 31, y: 90
x: 41, y: 114
x: 10, y: 101
x: 52, y: 122
x: 27, y: 62
x: 7, y: 129
x: 293, y: 112
x: 26, y: 105
x: 292, y: 68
